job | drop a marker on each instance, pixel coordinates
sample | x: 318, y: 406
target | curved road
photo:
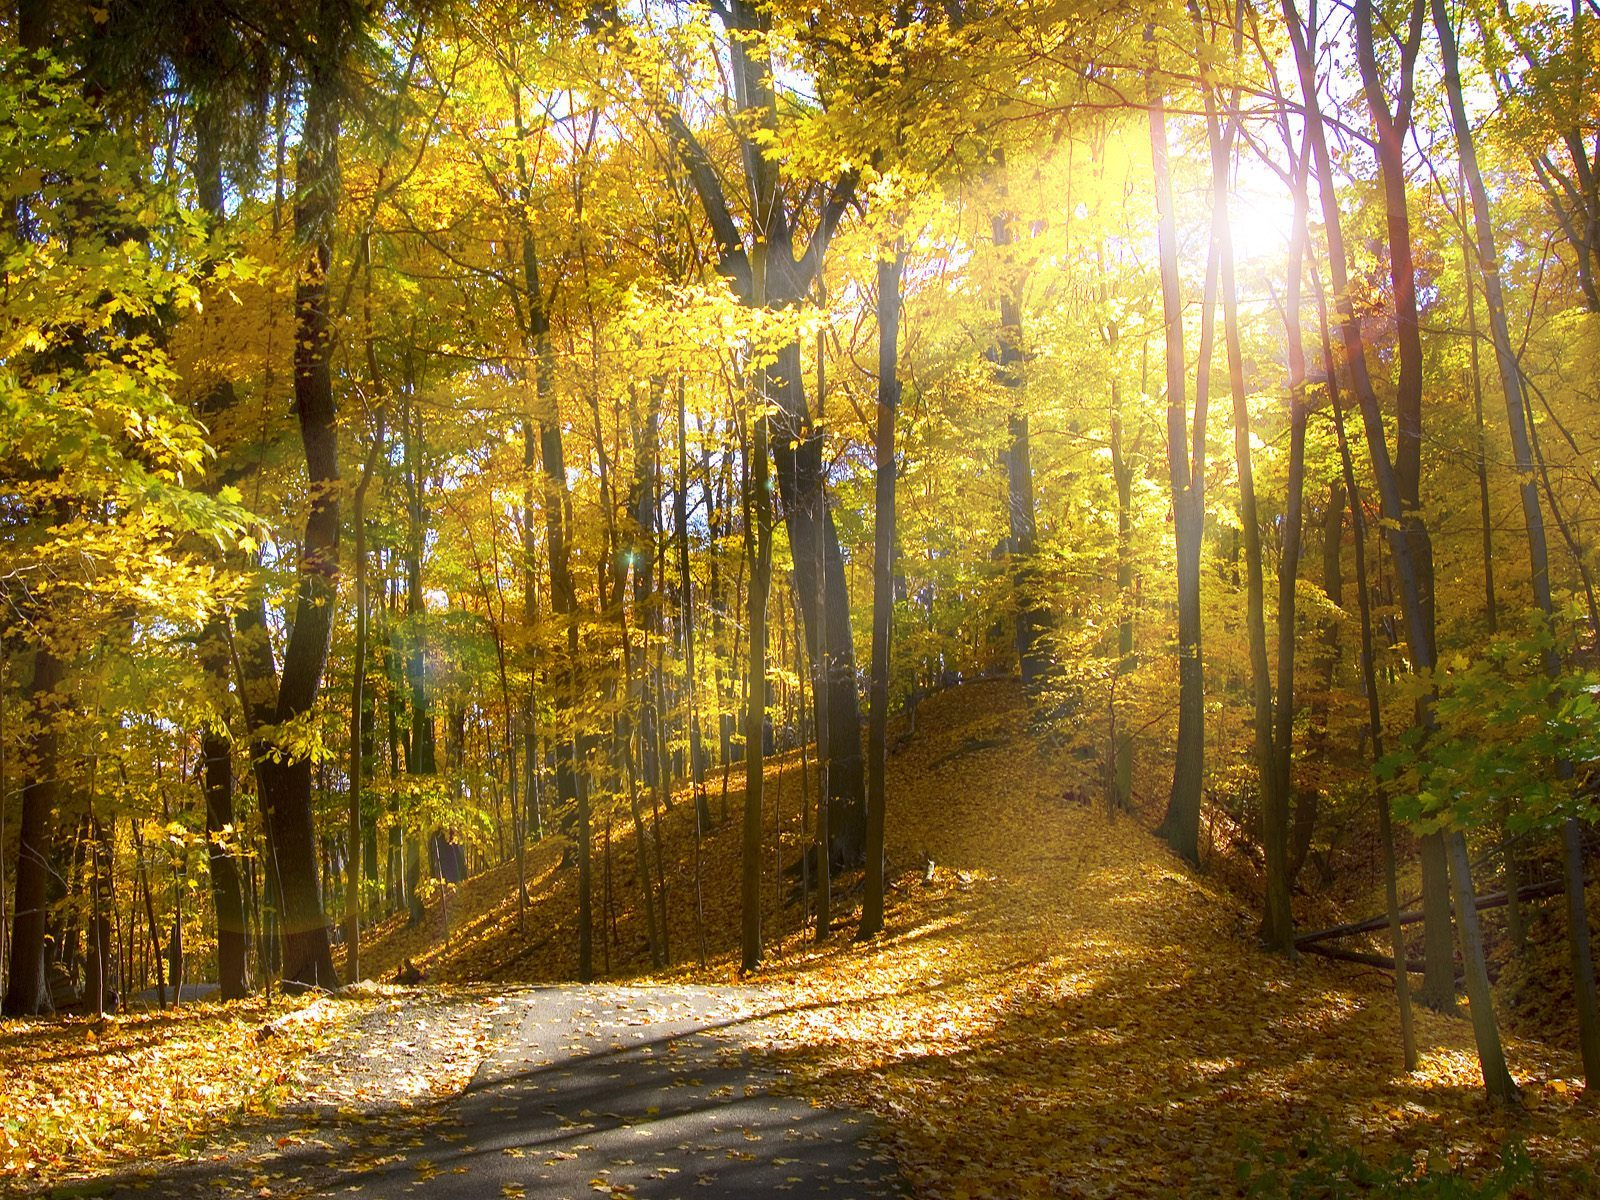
x: 584, y: 1092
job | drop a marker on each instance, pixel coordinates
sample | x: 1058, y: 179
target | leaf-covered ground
x: 1058, y: 1008
x: 1065, y: 1009
x: 80, y: 1094
x: 1087, y: 1017
x: 229, y: 1085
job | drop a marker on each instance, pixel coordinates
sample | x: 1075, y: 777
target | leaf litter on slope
x: 1063, y: 1008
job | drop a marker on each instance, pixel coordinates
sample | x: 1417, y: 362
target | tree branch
x: 840, y: 197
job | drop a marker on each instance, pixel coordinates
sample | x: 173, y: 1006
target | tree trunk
x: 783, y: 280
x: 1533, y: 519
x: 824, y: 602
x: 1417, y: 573
x: 286, y: 783
x: 360, y: 721
x: 222, y: 839
x: 97, y: 994
x: 820, y: 695
x: 631, y: 734
x: 1282, y: 740
x: 758, y: 545
x: 1490, y: 608
x: 1580, y: 950
x: 883, y: 539
x: 1181, y: 825
x: 26, y: 990
x: 1408, y: 539
x: 1277, y: 927
x: 1415, y: 567
x: 1020, y: 513
x: 680, y: 519
x: 361, y: 714
x: 1306, y: 799
x: 1369, y: 682
x: 421, y: 751
x: 1120, y: 790
x: 1497, y: 1079
x: 149, y: 914
x: 216, y: 747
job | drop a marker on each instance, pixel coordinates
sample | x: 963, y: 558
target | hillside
x: 1062, y: 1009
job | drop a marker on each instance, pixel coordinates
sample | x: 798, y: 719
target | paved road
x: 599, y: 1091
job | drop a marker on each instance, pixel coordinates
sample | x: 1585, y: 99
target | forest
x: 1038, y: 549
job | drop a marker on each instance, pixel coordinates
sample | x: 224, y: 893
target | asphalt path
x: 584, y: 1092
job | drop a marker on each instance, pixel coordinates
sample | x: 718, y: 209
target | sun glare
x: 1261, y: 216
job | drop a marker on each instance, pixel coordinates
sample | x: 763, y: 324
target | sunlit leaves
x: 1503, y: 728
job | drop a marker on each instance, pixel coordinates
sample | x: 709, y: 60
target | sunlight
x: 835, y: 546
x: 1261, y: 216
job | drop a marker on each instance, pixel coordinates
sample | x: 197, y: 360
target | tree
x: 771, y: 265
x: 1186, y: 471
x: 1533, y: 521
x: 883, y: 540
x: 284, y: 772
x: 1405, y: 535
x: 101, y: 457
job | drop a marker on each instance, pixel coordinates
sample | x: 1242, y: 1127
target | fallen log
x: 1532, y: 891
x: 1363, y: 957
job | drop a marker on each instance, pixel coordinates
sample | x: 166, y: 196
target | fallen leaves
x: 1085, y: 1018
x: 79, y: 1093
x: 1058, y: 1006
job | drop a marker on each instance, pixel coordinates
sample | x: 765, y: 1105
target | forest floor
x: 238, y: 1082
x: 1058, y: 1007
x: 1061, y: 1007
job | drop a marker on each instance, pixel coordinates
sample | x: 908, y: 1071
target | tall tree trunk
x: 820, y: 691
x: 1282, y: 740
x: 758, y: 545
x: 1390, y: 129
x: 97, y: 992
x: 532, y: 768
x: 1320, y: 742
x: 1021, y: 517
x: 421, y: 751
x: 571, y: 784
x: 222, y: 836
x: 286, y: 782
x: 883, y: 538
x: 1497, y: 1079
x: 143, y: 884
x: 1181, y: 825
x: 1533, y: 520
x: 824, y: 601
x: 631, y: 732
x: 1369, y: 682
x: 768, y: 274
x: 1491, y: 611
x: 680, y: 519
x: 1277, y: 926
x: 26, y: 989
x: 361, y: 715
x: 398, y: 743
x: 216, y: 748
x: 1120, y: 790
x: 1408, y: 537
x: 360, y: 719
